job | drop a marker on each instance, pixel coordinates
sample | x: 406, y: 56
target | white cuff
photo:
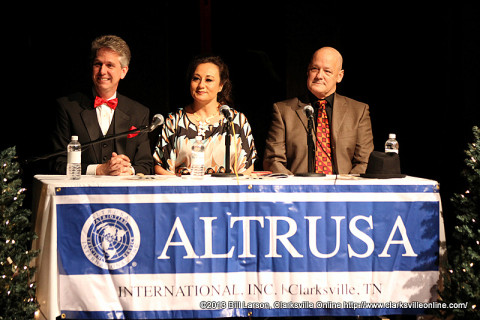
x: 92, y: 169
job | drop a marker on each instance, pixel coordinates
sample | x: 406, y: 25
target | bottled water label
x: 74, y: 157
x: 391, y: 150
x: 197, y: 158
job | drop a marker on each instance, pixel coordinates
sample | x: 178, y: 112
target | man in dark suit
x: 350, y: 132
x: 103, y: 111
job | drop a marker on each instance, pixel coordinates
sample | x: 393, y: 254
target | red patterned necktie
x: 112, y: 103
x: 323, y: 153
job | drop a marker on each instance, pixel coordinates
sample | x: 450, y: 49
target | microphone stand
x: 84, y: 146
x: 227, y: 172
x: 311, y: 153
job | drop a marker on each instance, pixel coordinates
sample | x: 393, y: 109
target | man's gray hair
x: 114, y: 43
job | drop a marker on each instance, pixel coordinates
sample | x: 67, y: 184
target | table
x: 171, y: 247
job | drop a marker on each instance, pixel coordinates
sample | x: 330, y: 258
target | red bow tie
x: 112, y: 103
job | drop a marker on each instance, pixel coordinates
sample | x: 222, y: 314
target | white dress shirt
x: 104, y: 116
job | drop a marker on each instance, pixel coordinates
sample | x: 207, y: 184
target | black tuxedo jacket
x: 76, y: 116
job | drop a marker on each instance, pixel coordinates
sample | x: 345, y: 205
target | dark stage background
x: 417, y: 67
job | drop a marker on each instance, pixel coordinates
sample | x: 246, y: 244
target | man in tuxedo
x: 349, y: 140
x: 103, y: 111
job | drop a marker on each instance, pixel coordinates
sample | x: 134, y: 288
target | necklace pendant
x: 202, y: 128
x: 203, y: 125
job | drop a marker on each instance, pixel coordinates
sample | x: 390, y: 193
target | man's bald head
x: 324, y: 72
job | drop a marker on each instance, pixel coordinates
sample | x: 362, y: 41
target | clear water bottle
x: 74, y: 159
x: 198, y: 158
x: 392, y: 144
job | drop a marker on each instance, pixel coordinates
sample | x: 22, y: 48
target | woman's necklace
x: 203, y: 125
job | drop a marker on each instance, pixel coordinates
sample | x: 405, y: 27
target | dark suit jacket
x: 351, y: 137
x: 77, y: 116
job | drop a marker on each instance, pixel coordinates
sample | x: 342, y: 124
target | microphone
x: 308, y: 110
x: 156, y: 121
x: 227, y: 113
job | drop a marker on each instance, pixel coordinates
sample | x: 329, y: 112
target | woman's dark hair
x: 224, y: 96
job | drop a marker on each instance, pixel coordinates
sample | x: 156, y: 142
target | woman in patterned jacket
x: 210, y: 88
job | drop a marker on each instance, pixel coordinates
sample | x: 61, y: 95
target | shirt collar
x: 329, y: 99
x: 95, y: 94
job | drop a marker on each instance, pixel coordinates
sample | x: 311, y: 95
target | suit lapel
x: 89, y: 118
x: 339, y: 112
x: 301, y: 114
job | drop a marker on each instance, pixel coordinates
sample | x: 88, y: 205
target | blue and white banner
x: 239, y: 250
